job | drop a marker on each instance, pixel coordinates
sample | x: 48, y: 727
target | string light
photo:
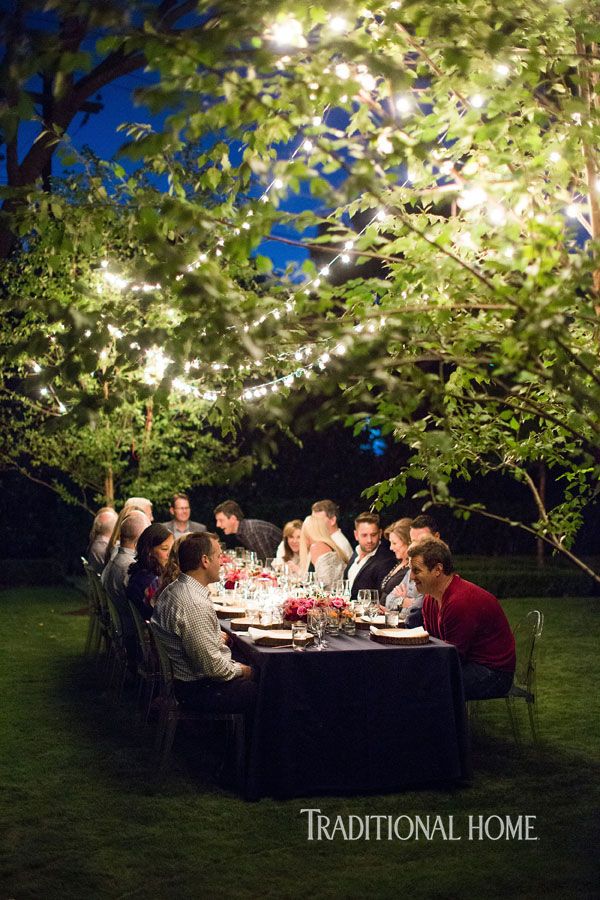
x: 404, y: 104
x: 502, y: 70
x: 288, y: 33
x: 477, y: 101
x: 338, y: 24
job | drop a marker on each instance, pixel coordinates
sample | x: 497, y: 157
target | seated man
x: 116, y: 574
x: 180, y: 522
x: 102, y: 529
x: 372, y: 559
x: 465, y: 615
x: 255, y: 535
x: 405, y: 595
x: 185, y: 620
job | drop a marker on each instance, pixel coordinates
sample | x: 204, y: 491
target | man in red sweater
x: 460, y: 613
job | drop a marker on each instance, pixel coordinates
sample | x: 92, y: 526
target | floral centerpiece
x: 296, y: 609
x: 232, y: 578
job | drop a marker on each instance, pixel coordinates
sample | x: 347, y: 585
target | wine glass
x: 363, y: 602
x: 318, y: 621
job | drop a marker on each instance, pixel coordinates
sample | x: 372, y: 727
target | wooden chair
x: 147, y: 666
x: 116, y: 664
x: 94, y: 632
x: 172, y: 712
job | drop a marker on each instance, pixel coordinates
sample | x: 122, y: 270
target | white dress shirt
x: 359, y: 563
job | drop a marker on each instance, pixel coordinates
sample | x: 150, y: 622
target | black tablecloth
x: 358, y: 717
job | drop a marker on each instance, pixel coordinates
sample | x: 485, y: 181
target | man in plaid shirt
x: 206, y: 676
x: 254, y: 534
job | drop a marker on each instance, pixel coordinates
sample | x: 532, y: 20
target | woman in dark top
x: 398, y: 535
x: 151, y: 555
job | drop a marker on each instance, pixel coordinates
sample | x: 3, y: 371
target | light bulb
x: 288, y: 33
x: 477, y: 101
x: 338, y: 24
x: 404, y: 104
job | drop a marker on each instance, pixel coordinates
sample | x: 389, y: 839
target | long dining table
x: 357, y: 717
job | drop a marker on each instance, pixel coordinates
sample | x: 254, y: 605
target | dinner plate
x: 228, y: 612
x: 245, y: 622
x: 276, y: 637
x: 406, y: 636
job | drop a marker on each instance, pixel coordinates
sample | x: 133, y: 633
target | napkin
x: 376, y: 620
x: 401, y: 634
x: 256, y: 634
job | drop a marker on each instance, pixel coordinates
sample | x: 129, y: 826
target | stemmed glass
x: 374, y: 605
x: 317, y: 623
x: 364, y: 601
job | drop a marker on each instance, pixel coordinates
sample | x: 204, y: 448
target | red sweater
x: 472, y: 620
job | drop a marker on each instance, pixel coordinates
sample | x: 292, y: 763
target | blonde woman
x: 398, y: 534
x: 317, y: 547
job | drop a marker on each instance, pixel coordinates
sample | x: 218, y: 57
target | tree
x: 84, y: 408
x: 477, y: 343
x: 55, y: 60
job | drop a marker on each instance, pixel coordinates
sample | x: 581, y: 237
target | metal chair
x: 172, y: 712
x: 527, y: 632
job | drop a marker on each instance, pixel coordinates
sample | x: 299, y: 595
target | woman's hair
x: 401, y: 528
x: 116, y: 532
x: 288, y: 529
x: 315, y: 529
x: 151, y: 537
x: 171, y: 571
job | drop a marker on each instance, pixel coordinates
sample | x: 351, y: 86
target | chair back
x: 115, y: 616
x: 526, y: 634
x: 143, y: 637
x: 166, y: 669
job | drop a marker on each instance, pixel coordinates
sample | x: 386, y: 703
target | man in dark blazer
x: 372, y: 558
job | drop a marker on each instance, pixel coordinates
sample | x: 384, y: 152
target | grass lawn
x: 80, y: 818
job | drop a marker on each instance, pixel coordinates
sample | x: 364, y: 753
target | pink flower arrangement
x: 297, y: 609
x: 232, y: 579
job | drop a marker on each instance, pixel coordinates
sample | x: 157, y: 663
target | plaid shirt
x: 187, y: 624
x: 260, y: 537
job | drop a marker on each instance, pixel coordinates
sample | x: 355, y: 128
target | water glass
x: 265, y: 616
x: 299, y: 635
x: 391, y: 618
x: 349, y: 625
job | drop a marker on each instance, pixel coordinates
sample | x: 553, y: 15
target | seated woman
x: 171, y: 571
x: 152, y: 552
x: 288, y: 552
x: 398, y: 534
x: 317, y: 547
